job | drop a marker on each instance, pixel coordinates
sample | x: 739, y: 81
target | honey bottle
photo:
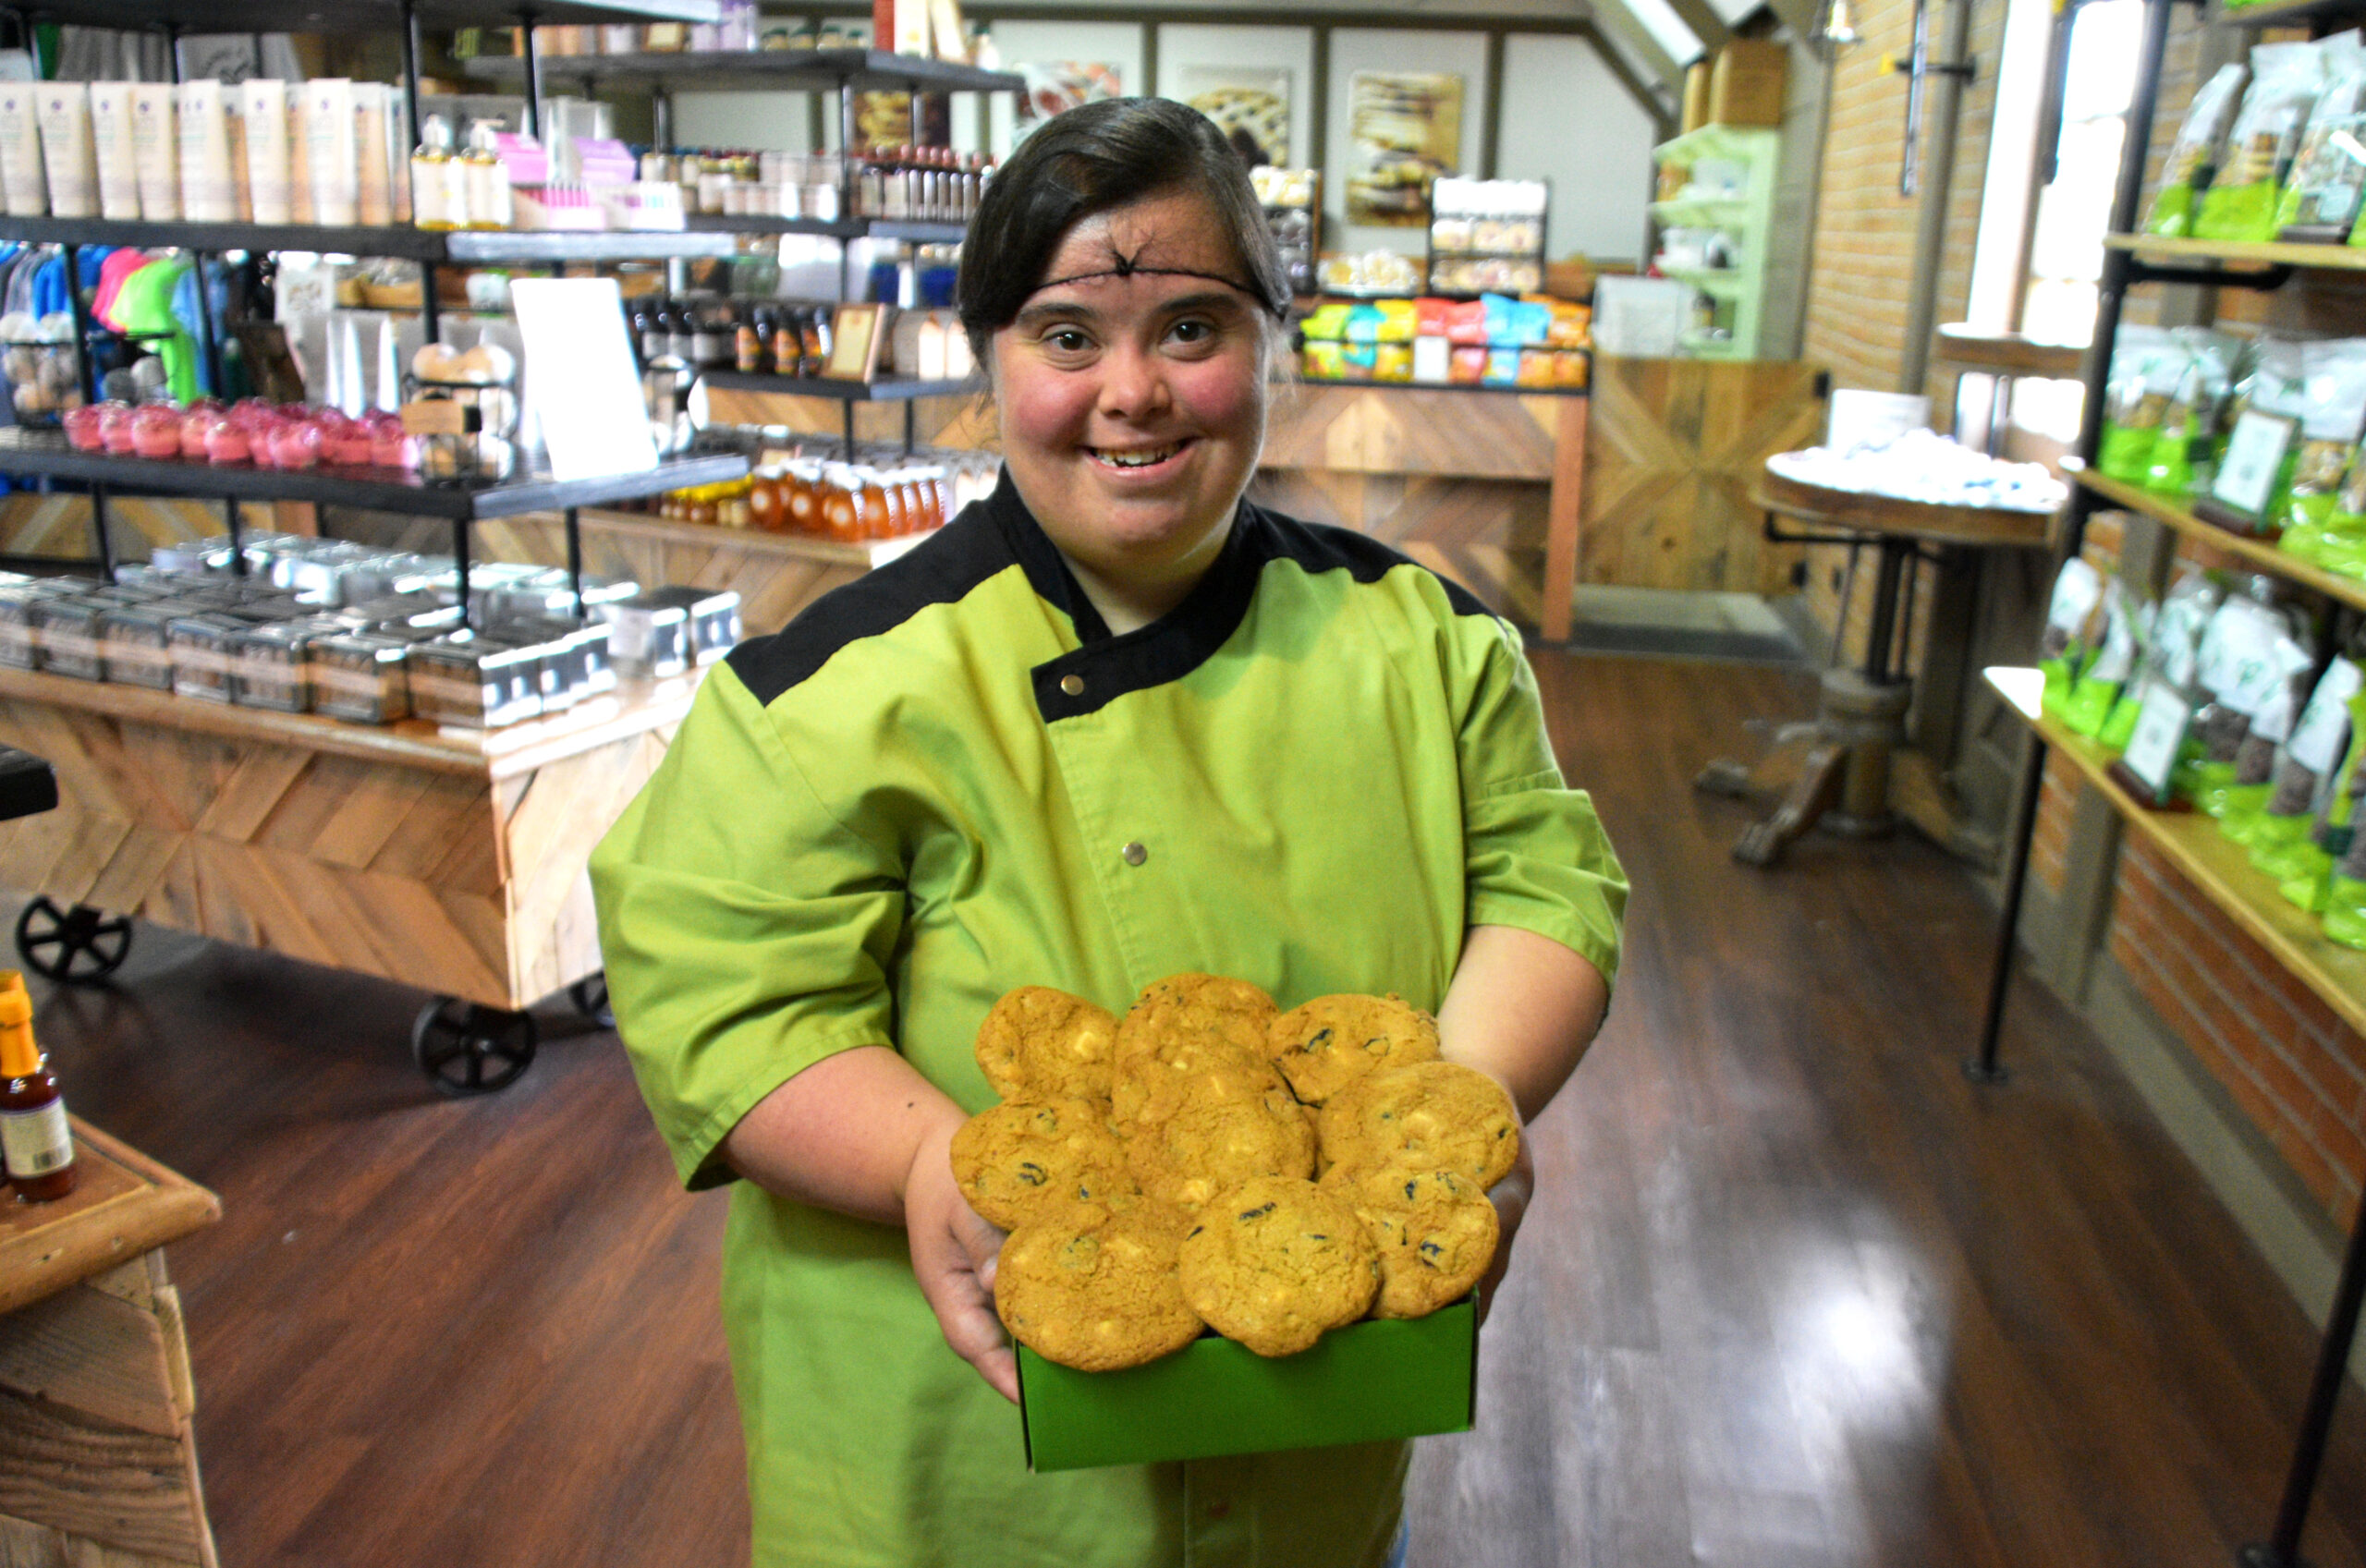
x: 35, y: 1142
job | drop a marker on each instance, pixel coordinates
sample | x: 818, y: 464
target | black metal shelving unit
x: 2258, y: 267
x: 848, y: 392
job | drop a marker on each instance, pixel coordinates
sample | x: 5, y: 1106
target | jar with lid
x: 766, y: 508
x: 753, y: 339
x: 801, y: 499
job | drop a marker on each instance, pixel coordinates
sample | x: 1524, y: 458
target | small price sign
x: 2161, y: 728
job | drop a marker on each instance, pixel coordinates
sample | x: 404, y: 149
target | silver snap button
x: 1133, y: 855
x: 1072, y: 685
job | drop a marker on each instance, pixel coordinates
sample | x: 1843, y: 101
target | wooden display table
x: 98, y: 1462
x: 1844, y: 778
x: 448, y: 859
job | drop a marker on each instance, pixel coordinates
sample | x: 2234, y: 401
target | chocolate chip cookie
x: 1274, y: 1262
x: 1331, y: 1041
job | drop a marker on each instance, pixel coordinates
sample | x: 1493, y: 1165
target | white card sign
x: 2246, y: 476
x: 580, y: 379
x: 2160, y: 733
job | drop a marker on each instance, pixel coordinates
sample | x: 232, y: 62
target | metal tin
x: 470, y: 681
x: 360, y: 675
x: 201, y: 649
x: 66, y: 635
x: 271, y: 665
x: 714, y: 618
x: 134, y: 648
x: 648, y: 638
x: 18, y: 647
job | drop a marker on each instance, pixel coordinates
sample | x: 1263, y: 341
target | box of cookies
x: 1232, y: 1228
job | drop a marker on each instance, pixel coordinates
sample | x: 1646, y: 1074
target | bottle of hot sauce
x: 34, y: 1139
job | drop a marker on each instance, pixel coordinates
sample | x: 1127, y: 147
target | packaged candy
x: 2270, y: 726
x: 2146, y: 364
x: 2304, y: 770
x: 2193, y: 157
x: 2095, y: 691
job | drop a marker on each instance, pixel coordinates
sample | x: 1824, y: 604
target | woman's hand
x: 953, y: 1256
x: 1510, y: 1197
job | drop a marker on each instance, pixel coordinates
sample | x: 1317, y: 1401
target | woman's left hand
x: 1510, y: 1197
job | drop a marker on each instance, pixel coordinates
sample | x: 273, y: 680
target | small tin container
x: 135, y: 648
x: 474, y: 682
x: 271, y: 665
x: 360, y: 675
x: 203, y: 647
x: 20, y: 647
x: 65, y: 633
x: 714, y: 614
x: 649, y: 638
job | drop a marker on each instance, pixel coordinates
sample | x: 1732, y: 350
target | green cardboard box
x: 1370, y: 1381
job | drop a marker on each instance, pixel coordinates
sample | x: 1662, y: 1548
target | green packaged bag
x: 2320, y: 196
x: 2273, y: 722
x: 2146, y: 364
x: 2241, y: 202
x: 2172, y: 648
x: 2305, y: 773
x: 2064, y: 644
x: 2095, y: 690
x: 2193, y: 157
x: 2237, y: 671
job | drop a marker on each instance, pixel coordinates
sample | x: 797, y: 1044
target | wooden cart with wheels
x: 451, y: 860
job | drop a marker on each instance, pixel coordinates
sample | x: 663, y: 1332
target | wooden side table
x: 98, y: 1460
x: 1842, y: 779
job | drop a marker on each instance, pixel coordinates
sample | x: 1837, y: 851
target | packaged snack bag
x: 2271, y: 725
x: 2193, y: 157
x: 2304, y: 768
x: 2185, y: 444
x: 2171, y: 651
x: 2240, y: 203
x: 2095, y: 691
x: 2320, y: 196
x: 2303, y: 869
x: 2062, y: 649
x: 2332, y: 417
x: 2145, y: 365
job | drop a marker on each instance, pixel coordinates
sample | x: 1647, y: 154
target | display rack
x: 2336, y: 976
x: 478, y: 1036
x: 1746, y: 218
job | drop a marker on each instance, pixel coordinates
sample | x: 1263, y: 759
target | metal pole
x: 84, y: 369
x: 533, y: 73
x: 230, y: 516
x: 1930, y: 220
x: 2111, y: 291
x: 1983, y: 1068
x: 2324, y: 1388
x: 460, y: 559
x: 575, y: 559
x: 99, y: 530
x: 410, y: 71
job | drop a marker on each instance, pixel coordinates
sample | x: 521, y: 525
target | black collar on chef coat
x: 1170, y: 648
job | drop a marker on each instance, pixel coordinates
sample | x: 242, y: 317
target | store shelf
x: 377, y: 490
x: 353, y: 16
x: 2260, y: 553
x: 1712, y: 141
x: 514, y: 246
x: 908, y: 231
x: 2219, y: 867
x: 2009, y: 353
x: 1723, y: 283
x: 2287, y: 12
x: 1703, y: 211
x: 2203, y: 253
x: 785, y: 70
x: 839, y: 390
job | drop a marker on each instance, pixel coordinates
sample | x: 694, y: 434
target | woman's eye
x: 1194, y: 330
x: 1066, y: 340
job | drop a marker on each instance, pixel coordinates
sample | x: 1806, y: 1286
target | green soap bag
x: 2344, y: 911
x: 2089, y: 702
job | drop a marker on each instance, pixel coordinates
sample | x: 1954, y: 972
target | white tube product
x: 300, y: 165
x: 111, y: 142
x: 24, y: 187
x: 373, y: 200
x: 328, y: 150
x: 208, y: 194
x: 234, y: 121
x: 263, y: 103
x: 156, y: 149
x: 396, y: 153
x: 63, y: 109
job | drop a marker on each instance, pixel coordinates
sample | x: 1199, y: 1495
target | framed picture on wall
x: 854, y: 343
x: 1250, y: 104
x: 1404, y: 130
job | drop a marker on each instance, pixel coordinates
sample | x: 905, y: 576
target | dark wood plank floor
x: 1795, y: 1292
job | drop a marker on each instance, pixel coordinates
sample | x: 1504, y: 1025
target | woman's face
x: 1133, y: 405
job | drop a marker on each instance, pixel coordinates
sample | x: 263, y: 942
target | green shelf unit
x: 1747, y: 219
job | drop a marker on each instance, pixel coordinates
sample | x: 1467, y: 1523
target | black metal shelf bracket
x: 2265, y: 279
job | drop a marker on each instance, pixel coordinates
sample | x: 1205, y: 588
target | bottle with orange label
x: 35, y: 1141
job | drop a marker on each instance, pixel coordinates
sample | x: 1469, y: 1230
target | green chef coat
x: 947, y: 779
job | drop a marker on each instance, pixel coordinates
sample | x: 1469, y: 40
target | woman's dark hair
x: 1092, y: 158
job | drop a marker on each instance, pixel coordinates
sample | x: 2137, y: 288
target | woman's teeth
x: 1136, y: 459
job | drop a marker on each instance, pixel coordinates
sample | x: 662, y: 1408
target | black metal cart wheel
x: 590, y: 995
x: 71, y: 945
x: 467, y: 1049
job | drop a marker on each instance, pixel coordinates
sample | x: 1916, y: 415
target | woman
x: 1111, y: 724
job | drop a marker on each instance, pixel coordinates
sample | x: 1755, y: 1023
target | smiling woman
x: 1112, y: 724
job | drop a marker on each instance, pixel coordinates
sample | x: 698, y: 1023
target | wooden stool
x: 1843, y: 778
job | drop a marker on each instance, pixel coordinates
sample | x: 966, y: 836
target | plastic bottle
x: 488, y: 179
x: 35, y: 1141
x: 436, y: 179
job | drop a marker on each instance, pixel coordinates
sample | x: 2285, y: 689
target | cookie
x: 1038, y: 1043
x: 1331, y: 1041
x: 1094, y: 1289
x: 1429, y: 1116
x: 1436, y: 1232
x: 1018, y: 1160
x: 1275, y: 1261
x: 1206, y: 1007
x: 1203, y: 1149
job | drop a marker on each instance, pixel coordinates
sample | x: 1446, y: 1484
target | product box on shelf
x: 1368, y: 1382
x: 1746, y: 84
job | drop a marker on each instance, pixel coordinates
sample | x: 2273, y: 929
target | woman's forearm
x: 843, y: 1134
x: 1522, y: 1008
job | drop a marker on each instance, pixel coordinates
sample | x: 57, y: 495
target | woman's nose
x: 1133, y: 382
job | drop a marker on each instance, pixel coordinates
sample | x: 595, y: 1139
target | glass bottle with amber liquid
x: 35, y: 1142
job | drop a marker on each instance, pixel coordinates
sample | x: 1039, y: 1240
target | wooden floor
x: 1795, y: 1291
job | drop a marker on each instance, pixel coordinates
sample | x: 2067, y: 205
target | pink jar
x: 196, y: 420
x: 83, y: 427
x: 156, y: 431
x: 226, y: 440
x: 389, y: 447
x: 114, y: 427
x: 295, y: 443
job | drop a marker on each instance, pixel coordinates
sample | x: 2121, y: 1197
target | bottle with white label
x: 35, y: 1143
x: 439, y: 192
x: 489, y: 206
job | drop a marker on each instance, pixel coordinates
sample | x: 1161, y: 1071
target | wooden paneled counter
x: 448, y: 859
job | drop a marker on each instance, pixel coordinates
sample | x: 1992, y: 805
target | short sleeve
x: 1535, y: 855
x: 747, y: 932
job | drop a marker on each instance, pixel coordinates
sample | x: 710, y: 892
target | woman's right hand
x: 954, y: 1251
